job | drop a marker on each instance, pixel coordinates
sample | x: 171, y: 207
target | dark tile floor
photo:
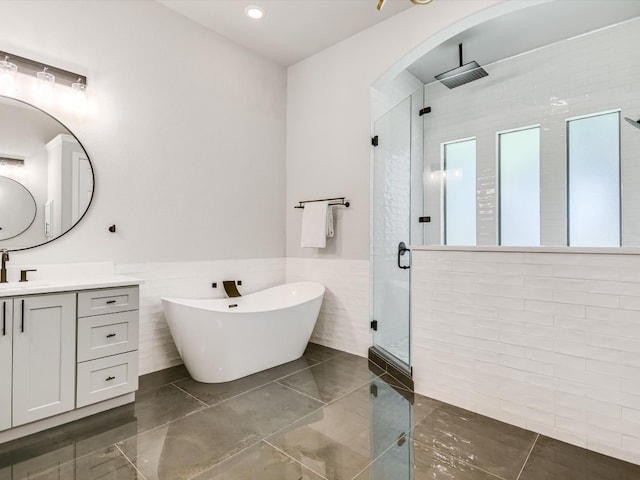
x: 327, y: 415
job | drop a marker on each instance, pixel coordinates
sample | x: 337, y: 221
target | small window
x: 519, y: 183
x: 593, y: 155
x: 459, y: 183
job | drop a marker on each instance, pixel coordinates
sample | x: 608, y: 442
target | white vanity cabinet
x: 65, y: 353
x: 6, y: 362
x: 38, y: 378
x: 107, y: 344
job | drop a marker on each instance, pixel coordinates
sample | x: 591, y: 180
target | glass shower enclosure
x: 392, y: 200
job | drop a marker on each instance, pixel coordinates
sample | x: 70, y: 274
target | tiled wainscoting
x: 545, y: 341
x: 343, y: 321
x: 189, y: 280
x: 344, y: 318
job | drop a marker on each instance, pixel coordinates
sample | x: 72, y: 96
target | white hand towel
x: 329, y: 221
x: 314, y: 225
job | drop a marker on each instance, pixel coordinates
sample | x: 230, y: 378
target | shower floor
x: 327, y: 415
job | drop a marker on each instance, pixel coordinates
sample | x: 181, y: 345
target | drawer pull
x: 110, y: 378
x: 109, y: 302
x: 111, y: 335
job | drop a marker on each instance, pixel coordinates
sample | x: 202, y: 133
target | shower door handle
x: 402, y: 249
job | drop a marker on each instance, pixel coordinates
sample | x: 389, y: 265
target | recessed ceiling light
x: 255, y: 12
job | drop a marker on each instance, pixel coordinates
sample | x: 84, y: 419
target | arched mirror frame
x: 93, y: 177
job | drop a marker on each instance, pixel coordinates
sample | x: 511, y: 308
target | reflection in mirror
x: 42, y: 159
x: 17, y: 208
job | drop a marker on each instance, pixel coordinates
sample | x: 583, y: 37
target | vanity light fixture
x: 254, y: 12
x: 79, y: 97
x: 12, y: 168
x: 7, y: 75
x: 417, y: 2
x: 44, y: 87
x: 39, y: 69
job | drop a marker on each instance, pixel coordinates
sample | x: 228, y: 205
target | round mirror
x: 17, y: 208
x: 46, y: 177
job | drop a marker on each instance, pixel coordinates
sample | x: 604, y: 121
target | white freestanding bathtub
x: 224, y: 339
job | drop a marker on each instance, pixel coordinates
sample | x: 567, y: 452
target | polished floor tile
x: 320, y: 353
x: 189, y: 446
x: 163, y: 404
x: 261, y: 462
x: 48, y: 450
x: 555, y: 460
x: 212, y: 393
x: 108, y: 464
x: 345, y: 436
x: 161, y: 378
x: 331, y: 379
x: 410, y: 460
x: 324, y: 416
x: 493, y: 446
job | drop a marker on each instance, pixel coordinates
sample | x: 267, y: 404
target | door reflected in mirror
x: 46, y: 177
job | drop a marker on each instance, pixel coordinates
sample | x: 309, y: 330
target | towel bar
x: 334, y: 201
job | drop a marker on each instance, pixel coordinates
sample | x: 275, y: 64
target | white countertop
x: 56, y: 285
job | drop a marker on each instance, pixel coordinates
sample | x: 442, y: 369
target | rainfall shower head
x: 465, y: 73
x: 635, y: 123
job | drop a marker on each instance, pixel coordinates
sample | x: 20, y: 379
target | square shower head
x: 463, y: 74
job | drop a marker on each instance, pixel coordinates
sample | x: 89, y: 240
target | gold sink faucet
x: 3, y: 270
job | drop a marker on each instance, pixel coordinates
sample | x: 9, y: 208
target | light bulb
x: 254, y: 12
x: 79, y: 97
x: 7, y: 76
x: 45, y: 83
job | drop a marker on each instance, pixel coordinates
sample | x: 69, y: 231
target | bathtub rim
x: 208, y: 303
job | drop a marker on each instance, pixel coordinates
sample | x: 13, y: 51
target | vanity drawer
x: 108, y: 300
x: 105, y: 335
x: 106, y: 378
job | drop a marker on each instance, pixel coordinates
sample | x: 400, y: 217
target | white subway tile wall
x: 584, y: 75
x: 546, y: 341
x: 344, y: 316
x: 189, y: 280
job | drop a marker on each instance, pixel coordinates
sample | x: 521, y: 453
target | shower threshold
x: 401, y: 372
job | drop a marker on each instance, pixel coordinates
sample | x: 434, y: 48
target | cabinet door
x: 44, y: 356
x: 6, y: 330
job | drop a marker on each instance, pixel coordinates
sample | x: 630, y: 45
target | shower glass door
x: 392, y: 232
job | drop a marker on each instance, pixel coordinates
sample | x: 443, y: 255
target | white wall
x: 329, y: 117
x: 187, y: 139
x: 187, y: 136
x: 546, y: 341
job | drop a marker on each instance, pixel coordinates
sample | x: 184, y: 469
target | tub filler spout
x: 231, y: 289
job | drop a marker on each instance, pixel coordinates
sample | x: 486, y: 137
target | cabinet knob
x: 109, y: 302
x: 111, y: 335
x: 110, y: 378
